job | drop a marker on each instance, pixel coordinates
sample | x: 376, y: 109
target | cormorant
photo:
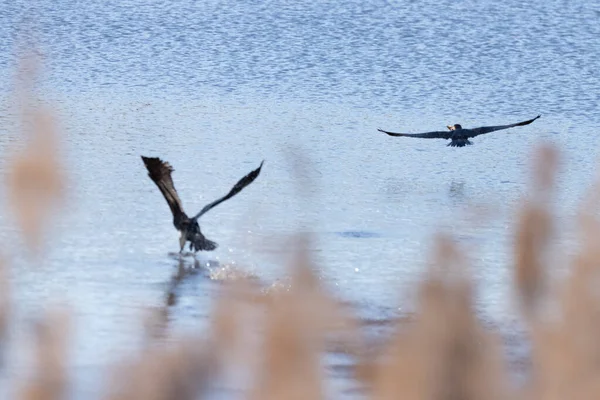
x: 160, y: 173
x: 458, y: 135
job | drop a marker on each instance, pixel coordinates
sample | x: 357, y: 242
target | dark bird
x: 458, y: 135
x: 160, y: 173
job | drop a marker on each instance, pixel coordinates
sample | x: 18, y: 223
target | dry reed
x: 4, y: 308
x: 35, y: 180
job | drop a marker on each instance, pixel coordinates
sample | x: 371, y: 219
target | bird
x: 160, y: 173
x: 459, y: 136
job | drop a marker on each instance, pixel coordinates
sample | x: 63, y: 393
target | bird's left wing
x: 425, y: 135
x: 488, y: 129
x: 242, y: 183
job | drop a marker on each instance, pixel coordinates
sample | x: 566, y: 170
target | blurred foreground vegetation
x: 444, y: 353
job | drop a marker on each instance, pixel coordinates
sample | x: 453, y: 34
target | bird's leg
x: 181, y: 241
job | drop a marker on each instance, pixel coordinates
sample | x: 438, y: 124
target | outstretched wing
x: 488, y: 129
x: 425, y: 135
x: 242, y: 183
x: 160, y: 172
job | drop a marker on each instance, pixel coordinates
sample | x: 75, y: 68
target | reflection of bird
x: 458, y: 135
x: 457, y: 190
x: 160, y: 172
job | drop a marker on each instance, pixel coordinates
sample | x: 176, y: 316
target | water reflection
x: 185, y: 270
x: 456, y: 191
x: 157, y: 327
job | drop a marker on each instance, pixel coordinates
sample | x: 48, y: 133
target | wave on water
x: 358, y: 234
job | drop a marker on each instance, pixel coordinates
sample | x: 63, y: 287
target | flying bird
x: 459, y: 136
x: 160, y: 173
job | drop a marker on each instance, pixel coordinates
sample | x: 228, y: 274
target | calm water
x: 215, y: 87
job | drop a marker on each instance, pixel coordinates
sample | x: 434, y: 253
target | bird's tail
x: 199, y: 242
x: 459, y: 143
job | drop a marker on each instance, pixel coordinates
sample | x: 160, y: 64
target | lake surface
x: 215, y: 87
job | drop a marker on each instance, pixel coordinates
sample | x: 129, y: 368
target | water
x: 215, y: 87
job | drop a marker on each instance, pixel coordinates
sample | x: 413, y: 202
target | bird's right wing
x: 425, y: 135
x: 242, y: 183
x: 488, y: 129
x: 160, y: 173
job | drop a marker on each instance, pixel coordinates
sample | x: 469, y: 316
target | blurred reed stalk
x: 35, y: 179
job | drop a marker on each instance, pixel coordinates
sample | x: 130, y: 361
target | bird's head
x: 454, y: 127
